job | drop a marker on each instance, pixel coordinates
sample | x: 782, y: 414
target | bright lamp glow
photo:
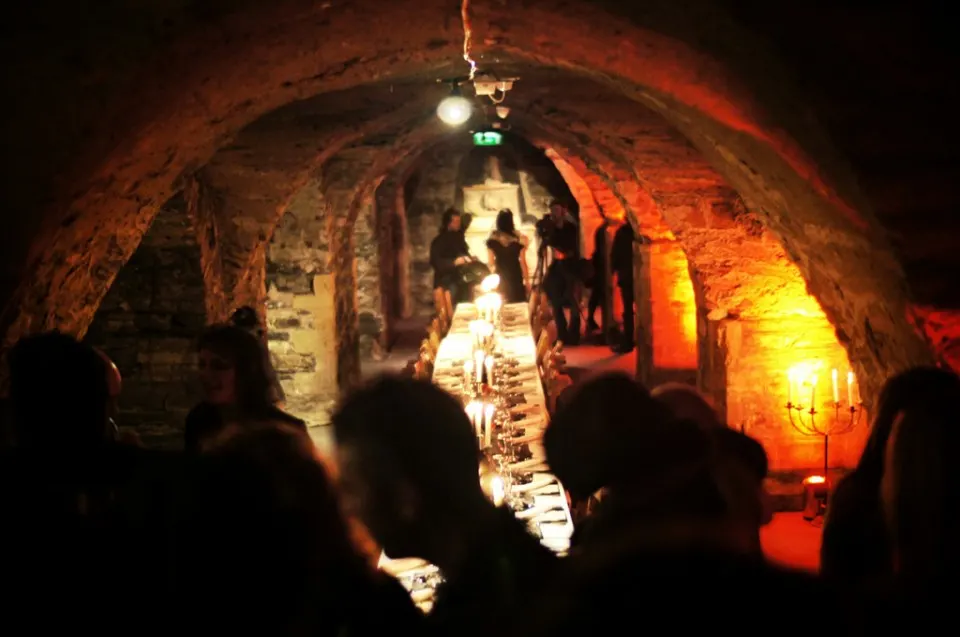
x: 454, y: 110
x: 490, y: 283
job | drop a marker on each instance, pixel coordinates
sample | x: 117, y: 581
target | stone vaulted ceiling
x: 243, y: 101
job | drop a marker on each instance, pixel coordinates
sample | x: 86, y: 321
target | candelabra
x: 834, y: 418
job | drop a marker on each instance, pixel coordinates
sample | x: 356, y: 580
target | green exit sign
x: 487, y: 138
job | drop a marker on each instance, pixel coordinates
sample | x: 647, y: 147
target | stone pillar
x: 202, y: 205
x: 719, y: 342
x: 372, y: 265
x: 401, y: 244
x: 666, y: 315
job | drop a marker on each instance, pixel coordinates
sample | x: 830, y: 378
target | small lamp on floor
x: 815, y: 490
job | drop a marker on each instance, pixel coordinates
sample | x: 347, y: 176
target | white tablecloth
x: 549, y: 517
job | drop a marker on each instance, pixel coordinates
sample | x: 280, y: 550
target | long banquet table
x: 537, y: 497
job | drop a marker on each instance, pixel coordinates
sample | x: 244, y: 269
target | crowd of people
x: 562, y: 272
x: 250, y: 530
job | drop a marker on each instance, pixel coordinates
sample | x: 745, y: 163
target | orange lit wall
x: 673, y: 308
x: 759, y: 354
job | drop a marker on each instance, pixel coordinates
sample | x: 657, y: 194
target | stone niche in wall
x: 480, y: 181
x: 301, y: 323
x: 149, y: 322
x: 756, y: 356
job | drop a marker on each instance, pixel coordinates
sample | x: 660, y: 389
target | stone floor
x: 791, y: 541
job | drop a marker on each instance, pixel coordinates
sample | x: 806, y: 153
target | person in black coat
x: 448, y: 251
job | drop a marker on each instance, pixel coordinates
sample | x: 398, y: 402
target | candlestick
x: 850, y: 388
x: 478, y: 364
x: 836, y: 388
x: 488, y: 424
x: 488, y: 363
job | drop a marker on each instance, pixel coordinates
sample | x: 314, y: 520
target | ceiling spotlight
x: 503, y: 111
x: 455, y: 109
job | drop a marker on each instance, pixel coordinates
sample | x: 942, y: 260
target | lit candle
x: 488, y: 363
x: 790, y: 379
x: 850, y: 389
x: 478, y: 364
x: 498, y: 490
x: 473, y: 411
x: 488, y: 424
x: 836, y: 388
x: 467, y: 372
x: 813, y: 390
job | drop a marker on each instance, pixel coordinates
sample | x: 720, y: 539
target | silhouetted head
x: 264, y: 534
x: 59, y: 393
x: 505, y: 222
x: 917, y: 387
x: 114, y: 378
x: 559, y: 211
x: 235, y: 369
x: 600, y: 432
x: 919, y: 489
x: 451, y: 219
x: 407, y: 456
x: 685, y: 402
x: 246, y: 319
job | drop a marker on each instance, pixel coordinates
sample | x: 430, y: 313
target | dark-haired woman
x: 448, y: 251
x: 238, y: 386
x: 507, y: 250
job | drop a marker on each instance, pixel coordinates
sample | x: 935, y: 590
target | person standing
x: 507, y: 250
x: 448, y: 251
x: 621, y: 267
x: 601, y: 285
x: 560, y: 233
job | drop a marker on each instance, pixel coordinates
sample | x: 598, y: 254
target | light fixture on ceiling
x: 454, y: 109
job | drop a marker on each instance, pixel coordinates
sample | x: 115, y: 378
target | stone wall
x: 757, y: 356
x: 300, y: 307
x: 148, y: 324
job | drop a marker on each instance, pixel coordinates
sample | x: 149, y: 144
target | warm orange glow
x: 673, y: 308
x: 815, y: 480
x: 790, y: 359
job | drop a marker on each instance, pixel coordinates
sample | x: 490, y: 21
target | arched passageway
x: 309, y: 119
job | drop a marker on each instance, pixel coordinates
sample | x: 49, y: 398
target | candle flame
x: 490, y: 283
x: 499, y: 490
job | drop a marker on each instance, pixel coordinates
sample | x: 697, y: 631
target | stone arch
x: 172, y: 123
x: 148, y: 325
x: 753, y: 303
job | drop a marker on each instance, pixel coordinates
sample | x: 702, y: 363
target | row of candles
x: 797, y: 378
x: 473, y: 369
x: 488, y: 306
